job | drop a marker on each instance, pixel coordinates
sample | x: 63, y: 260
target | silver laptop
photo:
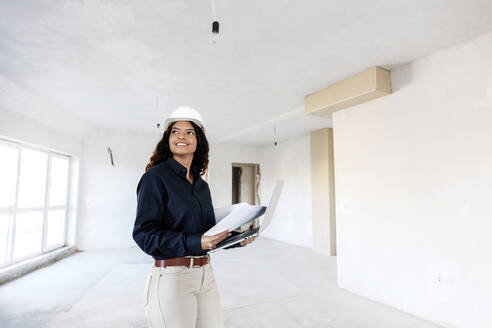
x: 263, y: 225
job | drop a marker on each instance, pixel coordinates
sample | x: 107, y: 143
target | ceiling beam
x: 370, y: 84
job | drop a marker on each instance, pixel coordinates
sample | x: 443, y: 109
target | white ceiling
x: 75, y: 64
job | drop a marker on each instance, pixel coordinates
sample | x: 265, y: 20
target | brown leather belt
x: 183, y: 261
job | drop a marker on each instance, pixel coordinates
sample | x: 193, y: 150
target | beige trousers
x: 182, y: 297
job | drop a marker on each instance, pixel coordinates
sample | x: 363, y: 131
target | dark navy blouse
x: 172, y: 214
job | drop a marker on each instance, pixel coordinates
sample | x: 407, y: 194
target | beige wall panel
x: 323, y: 203
x: 331, y: 172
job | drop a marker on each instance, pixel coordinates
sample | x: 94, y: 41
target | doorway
x: 245, y: 186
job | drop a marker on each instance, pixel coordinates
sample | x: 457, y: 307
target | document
x: 224, y: 214
x: 234, y: 216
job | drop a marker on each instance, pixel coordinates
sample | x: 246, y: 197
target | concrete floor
x: 266, y: 284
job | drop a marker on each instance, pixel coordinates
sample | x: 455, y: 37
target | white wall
x: 289, y: 161
x: 221, y: 157
x: 108, y: 197
x: 413, y: 174
x: 19, y: 127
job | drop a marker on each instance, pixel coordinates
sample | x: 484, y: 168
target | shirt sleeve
x: 148, y: 230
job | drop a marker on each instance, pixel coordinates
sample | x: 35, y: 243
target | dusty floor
x: 266, y: 284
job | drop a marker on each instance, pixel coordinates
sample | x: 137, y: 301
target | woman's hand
x: 247, y: 241
x: 209, y: 242
x: 250, y: 239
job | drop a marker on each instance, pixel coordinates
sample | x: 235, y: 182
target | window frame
x: 13, y: 211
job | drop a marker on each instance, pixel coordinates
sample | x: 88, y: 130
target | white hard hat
x: 185, y: 113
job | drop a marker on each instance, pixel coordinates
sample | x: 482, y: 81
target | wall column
x: 323, y: 192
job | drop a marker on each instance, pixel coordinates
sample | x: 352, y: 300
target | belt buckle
x: 191, y: 265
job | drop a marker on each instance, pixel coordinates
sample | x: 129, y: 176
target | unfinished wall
x: 108, y: 198
x: 289, y: 161
x: 413, y: 189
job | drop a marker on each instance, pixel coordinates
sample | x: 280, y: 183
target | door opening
x: 245, y: 186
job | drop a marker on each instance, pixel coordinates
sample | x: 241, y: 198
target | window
x: 33, y: 201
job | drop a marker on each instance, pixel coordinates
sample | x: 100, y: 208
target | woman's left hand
x: 247, y: 241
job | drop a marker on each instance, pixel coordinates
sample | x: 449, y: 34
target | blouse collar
x: 179, y: 168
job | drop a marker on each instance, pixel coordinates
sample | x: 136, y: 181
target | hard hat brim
x: 170, y: 121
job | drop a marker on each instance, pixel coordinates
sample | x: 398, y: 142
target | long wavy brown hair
x: 200, y: 158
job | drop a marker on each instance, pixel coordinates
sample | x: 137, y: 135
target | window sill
x: 19, y: 269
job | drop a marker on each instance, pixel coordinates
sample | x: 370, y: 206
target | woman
x: 174, y: 211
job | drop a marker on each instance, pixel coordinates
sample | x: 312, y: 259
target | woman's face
x: 182, y: 140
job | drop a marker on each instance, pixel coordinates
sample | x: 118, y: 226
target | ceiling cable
x: 215, y: 24
x: 275, y: 143
x: 214, y: 15
x: 157, y: 109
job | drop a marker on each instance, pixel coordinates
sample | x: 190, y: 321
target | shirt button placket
x: 199, y: 203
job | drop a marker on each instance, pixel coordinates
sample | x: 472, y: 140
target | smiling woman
x: 174, y: 211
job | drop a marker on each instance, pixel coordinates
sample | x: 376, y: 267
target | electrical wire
x: 214, y: 15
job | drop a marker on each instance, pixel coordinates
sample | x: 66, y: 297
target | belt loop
x: 191, y: 262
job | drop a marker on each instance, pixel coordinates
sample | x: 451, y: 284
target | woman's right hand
x: 209, y: 242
